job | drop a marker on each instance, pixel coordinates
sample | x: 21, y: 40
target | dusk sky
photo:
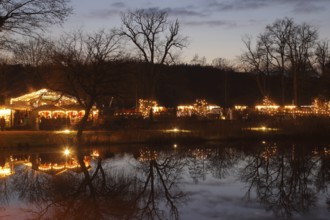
x: 214, y: 27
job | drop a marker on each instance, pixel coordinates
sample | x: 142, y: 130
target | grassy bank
x: 175, y: 131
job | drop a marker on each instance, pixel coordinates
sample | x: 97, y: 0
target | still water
x: 236, y: 180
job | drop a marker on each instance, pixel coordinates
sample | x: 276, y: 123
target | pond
x: 223, y: 180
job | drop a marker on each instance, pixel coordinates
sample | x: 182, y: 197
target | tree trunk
x: 295, y: 87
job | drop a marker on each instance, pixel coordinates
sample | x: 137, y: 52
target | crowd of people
x: 58, y: 123
x: 2, y: 123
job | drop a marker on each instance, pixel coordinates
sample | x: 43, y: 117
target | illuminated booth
x: 48, y: 109
x: 6, y: 167
x: 199, y: 108
x: 14, y: 114
x: 44, y: 97
x: 6, y: 113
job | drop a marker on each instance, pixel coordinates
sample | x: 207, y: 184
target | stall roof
x: 20, y: 107
x: 43, y: 96
x: 52, y: 108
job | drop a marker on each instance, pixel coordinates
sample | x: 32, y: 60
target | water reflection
x: 158, y: 184
x: 141, y: 182
x: 283, y: 179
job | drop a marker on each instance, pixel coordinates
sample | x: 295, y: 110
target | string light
x: 199, y: 108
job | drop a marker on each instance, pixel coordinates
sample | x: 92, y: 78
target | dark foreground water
x: 248, y: 180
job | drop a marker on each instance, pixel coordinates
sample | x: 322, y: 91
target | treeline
x: 288, y: 62
x: 176, y: 84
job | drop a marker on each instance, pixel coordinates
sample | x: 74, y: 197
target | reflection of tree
x: 31, y: 185
x: 221, y: 160
x: 198, y: 163
x: 283, y: 180
x: 215, y: 160
x: 89, y: 194
x: 322, y: 181
x: 4, y: 182
x: 158, y: 185
x: 4, y: 190
x: 103, y: 191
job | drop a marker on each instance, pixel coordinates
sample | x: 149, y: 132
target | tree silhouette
x: 159, y: 185
x: 27, y: 17
x: 103, y: 191
x: 155, y: 38
x: 81, y: 67
x: 282, y: 180
x: 284, y: 48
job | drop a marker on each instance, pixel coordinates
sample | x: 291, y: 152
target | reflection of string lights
x: 201, y: 154
x: 56, y: 167
x: 95, y: 153
x: 176, y: 130
x: 147, y: 155
x: 65, y: 131
x: 66, y: 152
x: 261, y: 128
x: 5, y: 170
x: 326, y: 151
x: 269, y: 152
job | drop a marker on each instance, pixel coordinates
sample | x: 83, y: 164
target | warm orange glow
x: 262, y: 129
x: 240, y: 107
x: 95, y: 153
x: 145, y: 106
x: 5, y: 171
x: 5, y: 112
x: 200, y: 108
x: 66, y: 152
x: 176, y: 130
x: 147, y: 155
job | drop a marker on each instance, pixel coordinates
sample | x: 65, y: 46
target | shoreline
x: 22, y: 139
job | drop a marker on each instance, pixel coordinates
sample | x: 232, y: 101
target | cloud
x: 307, y: 7
x: 118, y: 5
x: 298, y: 6
x: 210, y: 7
x: 181, y: 12
x: 104, y: 13
x: 236, y: 5
x: 211, y: 23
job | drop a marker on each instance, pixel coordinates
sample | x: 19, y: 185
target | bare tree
x: 4, y: 68
x: 282, y: 179
x: 198, y: 61
x: 24, y: 17
x: 278, y: 35
x: 286, y: 48
x: 224, y: 65
x: 154, y: 37
x: 256, y: 60
x: 32, y: 52
x: 158, y: 185
x: 322, y: 53
x: 82, y: 68
x: 302, y: 39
